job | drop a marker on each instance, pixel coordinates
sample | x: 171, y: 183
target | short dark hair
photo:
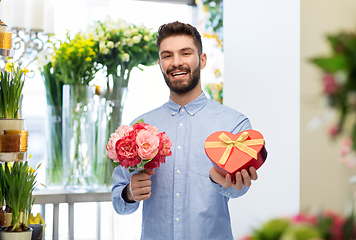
x: 178, y: 28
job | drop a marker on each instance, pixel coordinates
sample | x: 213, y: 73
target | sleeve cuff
x: 229, y: 192
x: 120, y: 206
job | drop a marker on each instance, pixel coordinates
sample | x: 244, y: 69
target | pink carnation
x: 110, y: 147
x: 124, y: 130
x: 126, y: 151
x: 330, y: 85
x: 147, y: 144
x: 164, y: 150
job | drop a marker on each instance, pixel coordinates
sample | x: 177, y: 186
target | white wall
x: 262, y: 48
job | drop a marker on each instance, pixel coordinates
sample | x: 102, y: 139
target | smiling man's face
x: 180, y: 63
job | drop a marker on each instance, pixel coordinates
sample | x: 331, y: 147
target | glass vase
x: 54, y: 162
x: 110, y: 110
x: 78, y: 137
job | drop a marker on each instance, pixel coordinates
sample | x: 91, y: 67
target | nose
x: 177, y: 60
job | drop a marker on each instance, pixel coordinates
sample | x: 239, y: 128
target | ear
x: 203, y: 60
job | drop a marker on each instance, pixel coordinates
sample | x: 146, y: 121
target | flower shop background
x: 324, y: 178
x: 142, y: 97
x: 265, y: 51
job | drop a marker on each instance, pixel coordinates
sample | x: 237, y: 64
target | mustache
x: 181, y: 68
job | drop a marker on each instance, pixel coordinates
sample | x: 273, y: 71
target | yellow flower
x: 88, y: 59
x: 217, y: 73
x: 9, y: 67
x: 25, y: 70
x: 31, y: 170
x: 9, y: 166
x: 36, y: 220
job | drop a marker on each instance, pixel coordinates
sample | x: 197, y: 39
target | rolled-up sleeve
x: 121, y: 179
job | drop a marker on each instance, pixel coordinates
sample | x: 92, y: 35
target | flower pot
x: 37, y: 231
x: 11, y: 124
x: 24, y: 235
x: 8, y: 219
x: 2, y: 218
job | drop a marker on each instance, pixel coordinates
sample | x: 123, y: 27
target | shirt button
x: 179, y: 147
x: 229, y: 194
x: 181, y: 124
x: 183, y: 110
x: 177, y: 219
x: 177, y: 194
x: 178, y: 171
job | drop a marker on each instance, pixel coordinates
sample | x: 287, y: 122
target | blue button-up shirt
x: 185, y: 203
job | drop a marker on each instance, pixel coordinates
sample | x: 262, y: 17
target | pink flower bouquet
x: 138, y: 147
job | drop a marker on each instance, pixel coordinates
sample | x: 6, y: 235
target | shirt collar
x: 192, y: 108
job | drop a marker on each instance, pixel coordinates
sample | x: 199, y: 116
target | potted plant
x: 12, y: 80
x: 19, y: 181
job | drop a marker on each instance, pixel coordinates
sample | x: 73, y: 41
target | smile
x: 179, y: 74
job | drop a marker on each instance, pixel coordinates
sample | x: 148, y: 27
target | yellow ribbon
x: 241, y: 143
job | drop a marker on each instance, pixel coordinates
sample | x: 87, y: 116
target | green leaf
x: 115, y: 164
x: 144, y: 162
x: 138, y: 121
x: 331, y: 64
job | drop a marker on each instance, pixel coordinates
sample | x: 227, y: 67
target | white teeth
x: 178, y: 73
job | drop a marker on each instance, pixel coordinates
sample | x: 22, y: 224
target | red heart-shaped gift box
x: 231, y: 153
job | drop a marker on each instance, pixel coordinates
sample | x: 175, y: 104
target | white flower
x: 102, y: 44
x: 104, y: 50
x: 147, y: 38
x: 101, y: 34
x: 117, y: 45
x: 127, y: 33
x: 341, y: 77
x: 125, y: 57
x: 137, y: 39
x: 134, y: 31
x: 110, y: 44
x: 129, y: 42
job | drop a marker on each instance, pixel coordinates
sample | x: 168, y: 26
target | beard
x: 179, y: 86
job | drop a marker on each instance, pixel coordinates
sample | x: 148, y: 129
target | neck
x: 184, y: 98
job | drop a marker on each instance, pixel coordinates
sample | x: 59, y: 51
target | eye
x: 165, y: 56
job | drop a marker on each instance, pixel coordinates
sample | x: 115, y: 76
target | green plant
x: 215, y: 91
x: 12, y: 80
x: 74, y: 58
x: 54, y: 94
x: 338, y: 81
x: 120, y: 46
x: 19, y: 181
x: 324, y: 226
x: 214, y: 7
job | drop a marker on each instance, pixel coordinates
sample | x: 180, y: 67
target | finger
x: 143, y: 197
x: 253, y: 173
x: 140, y: 177
x: 141, y: 193
x: 239, y: 182
x: 216, y: 177
x: 228, y: 182
x: 149, y: 171
x: 246, y: 178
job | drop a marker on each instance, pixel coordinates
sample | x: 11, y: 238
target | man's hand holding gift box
x: 235, y: 157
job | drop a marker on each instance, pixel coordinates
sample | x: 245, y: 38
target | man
x: 186, y: 198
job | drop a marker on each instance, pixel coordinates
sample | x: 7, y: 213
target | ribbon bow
x: 241, y: 143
